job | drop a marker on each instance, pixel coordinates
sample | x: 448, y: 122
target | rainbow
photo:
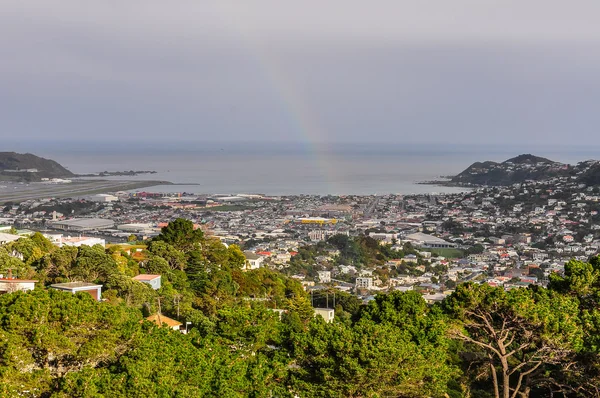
x: 307, y: 125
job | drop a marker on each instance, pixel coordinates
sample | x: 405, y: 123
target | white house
x: 253, y: 260
x: 324, y: 276
x: 76, y: 241
x: 74, y: 287
x: 9, y: 285
x: 328, y: 314
x: 6, y: 238
x: 153, y: 280
x: 364, y: 283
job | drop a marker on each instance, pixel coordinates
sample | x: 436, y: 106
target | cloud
x: 466, y: 70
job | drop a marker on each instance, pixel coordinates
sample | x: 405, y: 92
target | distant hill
x: 515, y: 170
x: 30, y: 167
x: 528, y: 159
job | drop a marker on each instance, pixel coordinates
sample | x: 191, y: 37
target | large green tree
x: 181, y: 235
x: 515, y: 338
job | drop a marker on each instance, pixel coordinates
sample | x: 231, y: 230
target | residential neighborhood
x: 510, y: 236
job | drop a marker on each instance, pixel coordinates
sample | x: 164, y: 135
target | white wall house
x: 5, y: 238
x: 328, y: 314
x: 253, y: 260
x: 153, y: 280
x: 324, y: 276
x: 9, y: 285
x: 364, y: 283
x: 76, y: 241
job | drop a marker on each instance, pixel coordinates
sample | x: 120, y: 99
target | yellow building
x: 317, y: 220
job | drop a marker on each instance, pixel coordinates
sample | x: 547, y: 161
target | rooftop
x: 8, y: 237
x: 145, y: 277
x: 74, y: 285
x: 419, y: 236
x: 159, y: 319
x: 85, y: 222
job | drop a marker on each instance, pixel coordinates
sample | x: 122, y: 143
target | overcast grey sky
x: 465, y: 71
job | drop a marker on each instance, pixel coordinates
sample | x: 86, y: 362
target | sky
x: 314, y: 72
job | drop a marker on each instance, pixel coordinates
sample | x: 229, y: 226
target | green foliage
x: 516, y: 337
x: 57, y: 344
x: 174, y: 257
x: 181, y: 235
x: 336, y: 360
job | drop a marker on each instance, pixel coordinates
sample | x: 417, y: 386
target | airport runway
x: 18, y: 192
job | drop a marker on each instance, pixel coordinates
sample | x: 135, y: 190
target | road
x: 372, y: 206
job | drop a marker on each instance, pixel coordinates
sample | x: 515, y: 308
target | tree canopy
x: 253, y: 333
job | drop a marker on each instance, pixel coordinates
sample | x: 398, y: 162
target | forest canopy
x: 253, y: 333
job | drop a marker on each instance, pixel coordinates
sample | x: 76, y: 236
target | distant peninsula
x: 118, y: 173
x: 523, y: 168
x: 28, y: 167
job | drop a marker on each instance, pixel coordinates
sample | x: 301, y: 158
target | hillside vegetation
x: 19, y: 161
x: 480, y: 342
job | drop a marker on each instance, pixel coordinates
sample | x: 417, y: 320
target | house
x: 364, y: 283
x: 6, y: 238
x: 161, y: 320
x: 327, y: 313
x: 411, y: 258
x: 76, y: 241
x: 152, y: 280
x: 434, y: 297
x: 253, y: 260
x: 324, y: 276
x: 9, y: 285
x: 75, y: 287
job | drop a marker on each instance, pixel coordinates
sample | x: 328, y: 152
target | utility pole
x: 176, y: 300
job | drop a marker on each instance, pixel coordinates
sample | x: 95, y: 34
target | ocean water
x: 291, y: 169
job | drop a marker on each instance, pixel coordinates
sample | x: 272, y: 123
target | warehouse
x: 82, y: 224
x: 425, y: 241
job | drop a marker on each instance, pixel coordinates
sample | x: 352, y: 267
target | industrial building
x: 316, y: 220
x: 102, y: 198
x: 82, y: 224
x: 422, y: 240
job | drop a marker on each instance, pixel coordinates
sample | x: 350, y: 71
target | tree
x: 338, y: 360
x: 514, y: 337
x: 14, y: 265
x: 181, y: 235
x: 93, y: 264
x: 158, y: 265
x: 174, y: 257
